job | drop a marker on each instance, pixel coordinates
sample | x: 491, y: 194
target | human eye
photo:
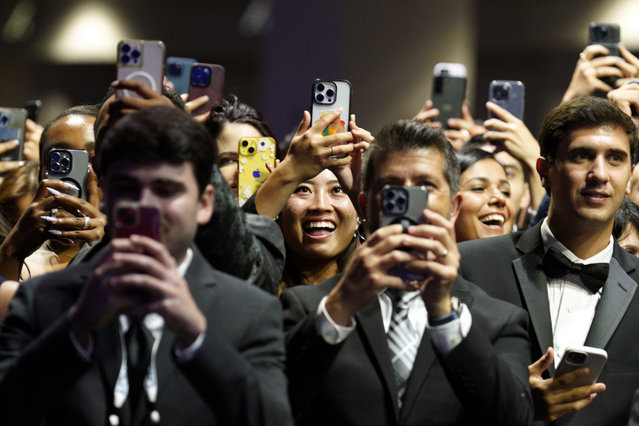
x: 226, y: 162
x: 617, y: 157
x: 337, y: 189
x: 302, y: 189
x: 477, y: 189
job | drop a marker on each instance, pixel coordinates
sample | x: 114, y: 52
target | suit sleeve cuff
x: 331, y: 332
x: 85, y: 352
x: 188, y: 353
x: 447, y: 336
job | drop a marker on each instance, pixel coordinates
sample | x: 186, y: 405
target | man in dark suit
x: 368, y: 347
x: 146, y: 332
x: 587, y: 148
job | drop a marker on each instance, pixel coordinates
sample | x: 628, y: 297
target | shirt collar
x: 550, y: 240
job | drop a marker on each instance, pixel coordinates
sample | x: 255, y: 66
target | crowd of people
x: 309, y: 304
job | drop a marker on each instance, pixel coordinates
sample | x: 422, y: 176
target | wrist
x: 439, y: 309
x: 338, y: 310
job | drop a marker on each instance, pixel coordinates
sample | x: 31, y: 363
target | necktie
x: 139, y: 342
x: 402, y: 341
x: 593, y: 275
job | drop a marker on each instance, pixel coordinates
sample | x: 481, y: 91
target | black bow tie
x: 593, y: 275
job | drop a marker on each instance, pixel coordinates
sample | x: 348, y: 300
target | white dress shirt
x: 445, y: 337
x: 572, y: 305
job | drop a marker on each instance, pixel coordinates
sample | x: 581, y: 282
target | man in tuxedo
x: 587, y: 148
x: 147, y: 331
x: 369, y: 347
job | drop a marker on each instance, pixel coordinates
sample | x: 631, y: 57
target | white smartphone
x: 141, y: 60
x: 578, y: 357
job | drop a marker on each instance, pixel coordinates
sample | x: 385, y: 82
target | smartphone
x: 327, y: 96
x: 579, y: 357
x: 12, y: 122
x: 449, y: 90
x: 70, y: 166
x: 403, y: 205
x: 253, y: 153
x: 508, y: 94
x: 33, y: 108
x: 608, y: 35
x: 206, y: 79
x: 141, y: 60
x: 135, y: 218
x: 178, y: 72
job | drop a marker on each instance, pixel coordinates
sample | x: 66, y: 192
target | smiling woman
x: 486, y: 209
x: 319, y: 224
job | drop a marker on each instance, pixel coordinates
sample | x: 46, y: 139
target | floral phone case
x: 253, y: 153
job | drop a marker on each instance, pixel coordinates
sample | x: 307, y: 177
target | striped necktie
x: 402, y: 340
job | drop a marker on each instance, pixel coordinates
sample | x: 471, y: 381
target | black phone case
x: 70, y: 166
x: 448, y: 97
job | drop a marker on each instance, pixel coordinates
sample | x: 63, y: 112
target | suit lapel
x: 533, y: 286
x: 424, y: 361
x: 108, y: 353
x: 618, y: 292
x: 373, y: 336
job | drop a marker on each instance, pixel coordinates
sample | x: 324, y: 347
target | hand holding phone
x: 12, y: 128
x: 327, y: 96
x: 143, y: 61
x: 403, y: 205
x: 578, y: 357
x: 70, y: 166
x: 508, y: 94
x: 206, y: 80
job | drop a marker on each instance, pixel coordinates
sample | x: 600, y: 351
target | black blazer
x: 236, y: 377
x: 510, y: 268
x: 484, y: 380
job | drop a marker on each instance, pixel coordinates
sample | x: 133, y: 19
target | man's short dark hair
x: 587, y: 111
x: 406, y: 135
x: 628, y: 214
x: 158, y: 134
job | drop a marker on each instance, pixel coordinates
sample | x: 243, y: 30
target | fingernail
x: 13, y: 143
x: 21, y: 163
x: 49, y: 219
x: 54, y: 192
x: 55, y: 232
x: 72, y: 186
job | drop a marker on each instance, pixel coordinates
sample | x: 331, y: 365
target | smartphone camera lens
x: 65, y: 162
x: 135, y: 54
x: 320, y: 87
x: 251, y: 150
x: 55, y: 167
x: 4, y: 120
x: 319, y: 97
x: 126, y: 216
x: 502, y: 92
x: 576, y: 357
x: 245, y: 143
x: 330, y: 93
x: 125, y: 59
x: 126, y: 48
x: 55, y: 156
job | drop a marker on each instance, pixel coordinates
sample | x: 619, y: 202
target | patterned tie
x: 402, y: 340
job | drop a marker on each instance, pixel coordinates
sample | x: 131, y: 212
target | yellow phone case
x: 253, y: 153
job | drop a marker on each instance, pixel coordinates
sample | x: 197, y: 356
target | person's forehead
x: 149, y: 172
x: 426, y: 160
x: 615, y: 136
x: 73, y: 131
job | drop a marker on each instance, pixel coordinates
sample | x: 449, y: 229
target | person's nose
x: 321, y: 201
x: 598, y: 169
x: 497, y: 197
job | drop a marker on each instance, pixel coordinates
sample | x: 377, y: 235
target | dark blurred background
x: 63, y: 51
